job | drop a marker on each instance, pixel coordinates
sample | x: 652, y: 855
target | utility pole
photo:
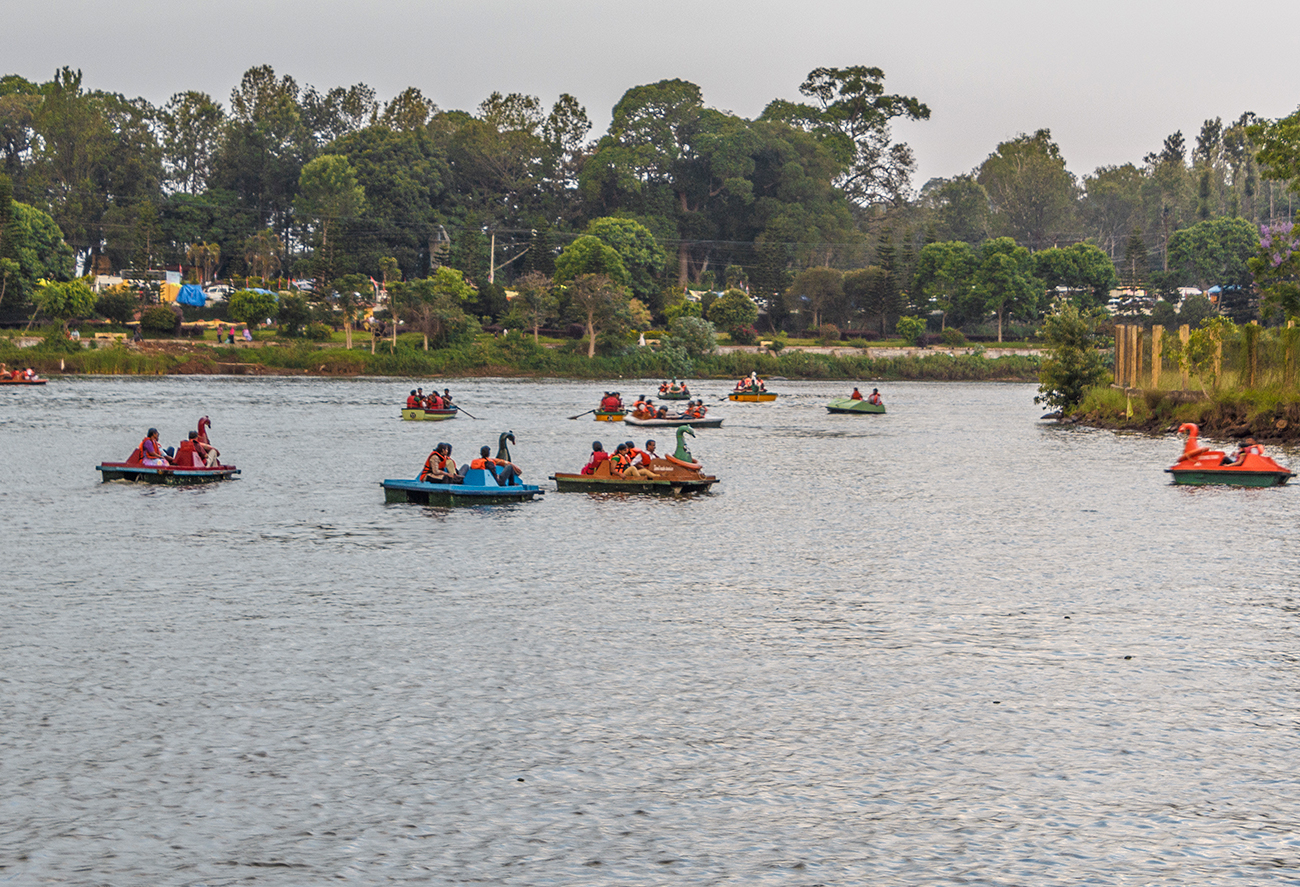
x: 492, y: 259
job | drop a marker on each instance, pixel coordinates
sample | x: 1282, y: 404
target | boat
x: 610, y: 415
x: 420, y: 414
x: 752, y: 396
x: 849, y: 405
x: 675, y: 395
x: 23, y: 381
x: 674, y: 422
x: 479, y: 487
x: 172, y: 475
x: 1200, y: 465
x: 676, y: 475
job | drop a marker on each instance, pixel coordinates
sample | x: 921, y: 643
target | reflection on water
x: 943, y: 645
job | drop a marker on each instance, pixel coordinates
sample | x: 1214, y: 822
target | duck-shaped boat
x: 1201, y: 465
x: 675, y: 475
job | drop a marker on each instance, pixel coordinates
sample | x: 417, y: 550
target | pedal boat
x: 673, y: 422
x: 849, y: 405
x: 171, y: 475
x: 479, y: 486
x: 423, y: 415
x: 1200, y: 466
x: 37, y: 381
x: 676, y: 475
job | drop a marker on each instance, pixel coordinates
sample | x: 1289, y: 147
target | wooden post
x: 1119, y: 353
x: 1133, y: 354
x: 1157, y: 336
x: 1288, y: 354
x: 1252, y: 353
x: 1184, y: 334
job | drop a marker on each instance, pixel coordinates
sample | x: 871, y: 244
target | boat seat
x: 602, y: 470
x: 480, y: 477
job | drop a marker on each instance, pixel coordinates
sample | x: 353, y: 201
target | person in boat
x: 204, y: 446
x: 187, y: 454
x: 620, y: 464
x: 686, y: 391
x: 505, y: 472
x: 661, y: 413
x: 440, y: 468
x: 611, y: 402
x: 663, y: 388
x: 598, y: 455
x: 691, y: 411
x: 856, y: 395
x: 150, y: 452
x: 639, y: 405
x: 412, y: 402
x: 874, y: 398
x: 647, y: 455
x: 1247, y: 447
x: 446, y: 398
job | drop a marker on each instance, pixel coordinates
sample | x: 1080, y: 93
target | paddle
x: 580, y: 415
x: 461, y: 409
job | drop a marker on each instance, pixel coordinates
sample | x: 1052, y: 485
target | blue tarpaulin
x: 190, y: 294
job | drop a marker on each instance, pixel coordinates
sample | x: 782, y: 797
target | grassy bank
x: 1269, y: 414
x: 515, y: 356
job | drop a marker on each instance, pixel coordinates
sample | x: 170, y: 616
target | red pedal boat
x: 1201, y: 465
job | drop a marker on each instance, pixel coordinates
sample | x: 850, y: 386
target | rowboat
x: 164, y: 474
x: 423, y: 415
x: 23, y: 381
x: 610, y: 415
x: 752, y: 396
x: 849, y: 405
x: 675, y: 475
x: 1201, y: 465
x: 479, y: 488
x: 673, y: 422
x: 675, y: 395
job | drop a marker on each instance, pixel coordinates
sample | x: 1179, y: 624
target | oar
x: 580, y: 415
x: 461, y: 409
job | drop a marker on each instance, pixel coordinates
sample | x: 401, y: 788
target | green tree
x: 262, y: 254
x: 910, y: 329
x: 192, y: 125
x: 600, y: 302
x: 694, y: 335
x: 1112, y: 205
x: 958, y: 209
x: 1082, y: 268
x: 732, y: 310
x: 853, y: 115
x: 535, y: 302
x: 34, y: 247
x: 435, y: 306
x: 590, y: 255
x: 818, y: 292
x: 1073, y: 364
x: 637, y: 248
x: 351, y: 293
x: 1031, y: 191
x: 118, y: 304
x: 251, y: 308
x: 65, y: 300
x: 1005, y: 280
x: 330, y: 195
x: 1213, y: 252
x: 1277, y: 267
x: 293, y: 314
x: 945, y: 273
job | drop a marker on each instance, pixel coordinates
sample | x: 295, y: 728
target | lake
x: 946, y: 645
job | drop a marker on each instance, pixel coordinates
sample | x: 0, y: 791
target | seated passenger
x: 662, y: 413
x: 621, y: 465
x: 856, y: 395
x: 611, y: 402
x: 150, y: 452
x: 506, y: 473
x: 1247, y: 447
x: 412, y: 403
x: 598, y: 455
x: 875, y: 396
x: 647, y: 455
x: 440, y: 468
x: 187, y: 454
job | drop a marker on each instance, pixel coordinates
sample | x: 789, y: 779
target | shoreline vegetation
x: 1270, y: 415
x: 510, y: 357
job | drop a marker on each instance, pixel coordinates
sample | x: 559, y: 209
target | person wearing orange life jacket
x: 663, y: 388
x: 620, y: 464
x: 150, y: 452
x: 440, y: 468
x: 505, y: 472
x: 412, y: 403
x: 647, y: 455
x: 1248, y: 447
x: 875, y: 397
x: 856, y: 395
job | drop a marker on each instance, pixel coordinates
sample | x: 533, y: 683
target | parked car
x: 217, y: 292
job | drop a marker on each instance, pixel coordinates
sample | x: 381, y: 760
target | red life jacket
x: 596, y: 459
x: 137, y: 455
x: 412, y: 402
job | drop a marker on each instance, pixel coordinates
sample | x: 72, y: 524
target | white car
x: 218, y: 291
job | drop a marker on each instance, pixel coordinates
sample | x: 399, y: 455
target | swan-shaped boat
x: 675, y: 475
x: 1201, y: 465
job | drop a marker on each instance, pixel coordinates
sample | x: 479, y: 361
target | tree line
x: 809, y: 209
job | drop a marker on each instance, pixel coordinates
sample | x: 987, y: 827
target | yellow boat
x: 610, y: 415
x: 752, y: 396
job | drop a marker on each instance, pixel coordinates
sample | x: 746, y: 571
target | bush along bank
x: 513, y: 357
x: 1269, y: 415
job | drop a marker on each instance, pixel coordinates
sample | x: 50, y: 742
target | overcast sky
x: 1109, y: 78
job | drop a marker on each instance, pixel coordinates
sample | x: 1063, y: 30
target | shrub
x: 318, y: 332
x: 118, y: 304
x: 910, y: 329
x: 953, y: 338
x: 694, y: 335
x: 743, y: 335
x: 159, y: 320
x: 828, y: 334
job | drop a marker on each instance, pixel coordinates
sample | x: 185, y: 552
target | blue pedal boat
x: 479, y: 488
